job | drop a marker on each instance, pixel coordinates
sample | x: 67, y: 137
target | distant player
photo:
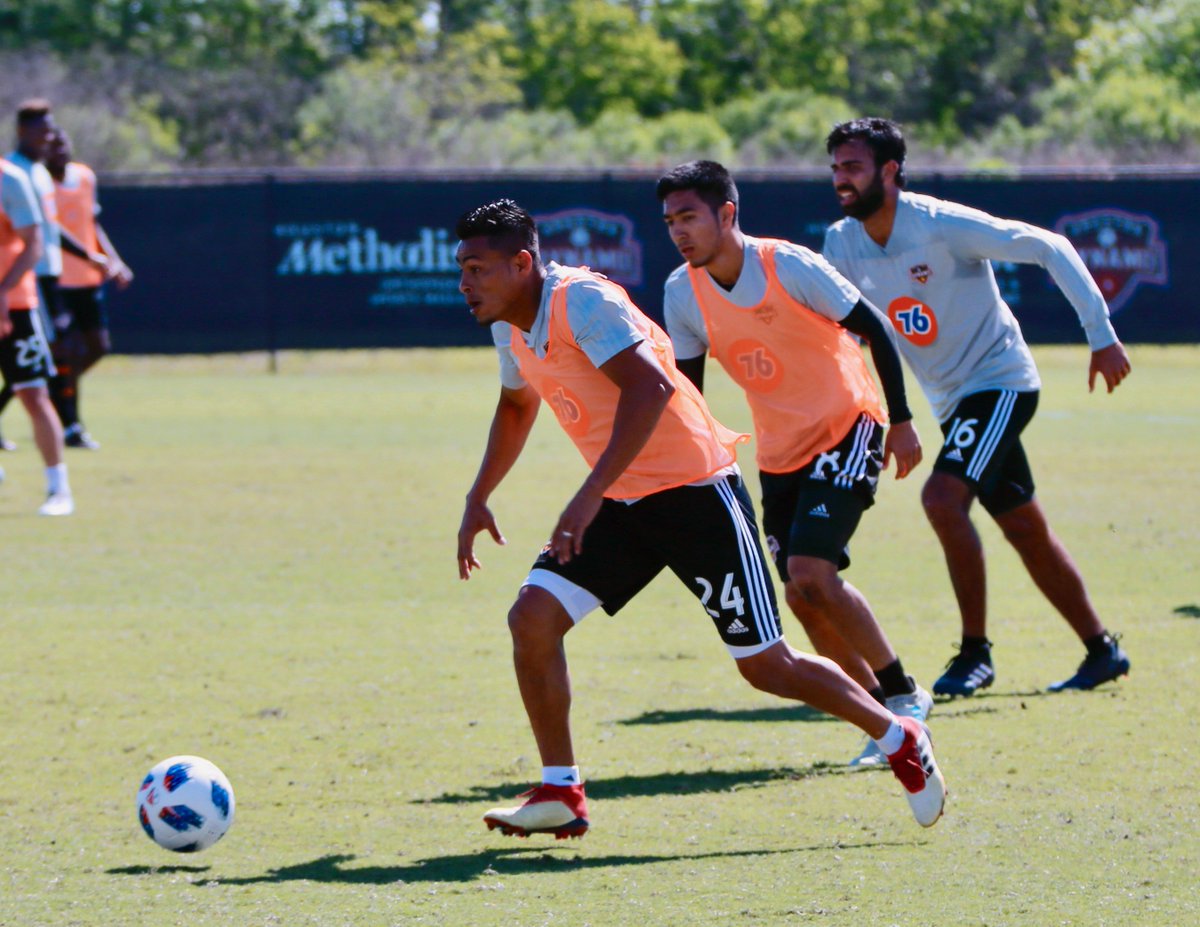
x: 81, y: 325
x: 927, y: 263
x: 663, y: 491
x: 24, y: 354
x: 35, y: 130
x: 779, y: 319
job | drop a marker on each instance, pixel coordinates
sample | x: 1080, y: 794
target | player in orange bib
x: 779, y: 319
x: 81, y: 324
x: 663, y: 491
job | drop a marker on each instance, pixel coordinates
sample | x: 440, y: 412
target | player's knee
x: 943, y: 503
x: 535, y: 620
x: 810, y: 585
x: 1022, y: 525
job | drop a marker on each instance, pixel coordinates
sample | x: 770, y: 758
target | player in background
x: 35, y: 128
x: 927, y: 263
x: 81, y: 325
x: 24, y: 354
x: 778, y: 318
x: 663, y: 491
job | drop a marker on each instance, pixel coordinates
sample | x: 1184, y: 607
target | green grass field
x: 262, y: 571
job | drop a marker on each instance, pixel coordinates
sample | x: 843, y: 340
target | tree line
x: 165, y: 84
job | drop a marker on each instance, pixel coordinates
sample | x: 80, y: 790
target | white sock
x: 560, y: 775
x: 56, y: 479
x: 893, y: 740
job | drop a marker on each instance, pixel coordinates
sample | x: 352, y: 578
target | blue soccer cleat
x: 1097, y: 668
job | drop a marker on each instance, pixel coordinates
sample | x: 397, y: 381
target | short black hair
x: 882, y: 136
x: 711, y: 181
x: 30, y: 111
x: 504, y: 223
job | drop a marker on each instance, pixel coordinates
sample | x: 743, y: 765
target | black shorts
x: 983, y: 447
x: 706, y: 535
x: 81, y: 309
x: 24, y: 354
x: 816, y: 509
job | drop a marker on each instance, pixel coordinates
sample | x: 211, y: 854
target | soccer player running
x: 81, y: 324
x: 778, y: 318
x: 663, y: 491
x: 24, y: 354
x: 926, y: 261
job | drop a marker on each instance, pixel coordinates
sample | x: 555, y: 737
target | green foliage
x: 241, y: 82
x: 586, y: 56
x: 782, y: 126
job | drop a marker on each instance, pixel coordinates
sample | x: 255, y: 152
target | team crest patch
x: 766, y: 314
x: 1122, y: 251
x: 920, y: 273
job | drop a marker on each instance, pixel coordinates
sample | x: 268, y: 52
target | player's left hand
x: 1112, y: 363
x: 121, y: 275
x: 567, y: 539
x: 903, y: 443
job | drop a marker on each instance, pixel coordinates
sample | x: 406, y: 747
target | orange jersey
x: 804, y: 376
x: 687, y: 445
x: 77, y: 208
x: 18, y: 198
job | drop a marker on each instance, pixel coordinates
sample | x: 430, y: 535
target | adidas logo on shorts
x: 819, y: 512
x: 955, y: 454
x: 737, y: 627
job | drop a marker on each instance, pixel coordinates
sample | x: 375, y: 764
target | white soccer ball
x: 185, y: 804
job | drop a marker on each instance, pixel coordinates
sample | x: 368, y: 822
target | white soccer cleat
x: 58, y: 503
x: 550, y: 809
x: 913, y: 764
x: 916, y: 704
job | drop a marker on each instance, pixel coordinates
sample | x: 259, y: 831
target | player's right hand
x: 5, y: 318
x: 476, y: 517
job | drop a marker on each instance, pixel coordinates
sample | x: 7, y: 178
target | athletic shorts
x: 48, y: 305
x: 81, y: 308
x: 983, y: 447
x: 706, y: 535
x: 814, y: 511
x: 24, y: 354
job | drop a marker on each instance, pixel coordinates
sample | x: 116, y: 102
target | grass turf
x: 261, y: 571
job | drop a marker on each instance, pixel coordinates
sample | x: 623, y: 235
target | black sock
x: 1098, y: 644
x: 877, y: 694
x: 975, y: 643
x: 894, y: 681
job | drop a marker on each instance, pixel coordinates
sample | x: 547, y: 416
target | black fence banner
x: 273, y: 263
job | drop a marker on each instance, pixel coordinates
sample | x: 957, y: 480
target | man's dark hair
x: 505, y: 225
x: 711, y: 181
x: 32, y: 110
x: 882, y: 136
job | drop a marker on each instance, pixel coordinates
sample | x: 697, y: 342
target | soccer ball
x: 185, y: 804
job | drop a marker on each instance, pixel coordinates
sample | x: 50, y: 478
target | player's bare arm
x: 1111, y: 363
x: 31, y: 235
x: 118, y: 271
x: 515, y: 414
x: 645, y: 391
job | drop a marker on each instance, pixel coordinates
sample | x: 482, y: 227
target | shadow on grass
x: 1190, y: 610
x: 782, y: 713
x: 507, y: 861
x: 156, y: 870
x: 667, y: 783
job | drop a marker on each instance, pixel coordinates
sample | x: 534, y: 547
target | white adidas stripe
x: 857, y: 460
x: 752, y: 566
x: 992, y: 434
